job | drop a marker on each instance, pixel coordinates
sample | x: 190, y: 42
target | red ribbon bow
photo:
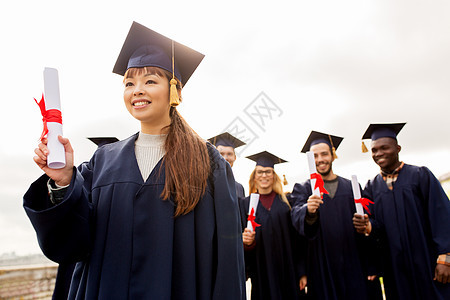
x: 251, y: 218
x: 51, y: 115
x: 365, y: 203
x: 319, y: 183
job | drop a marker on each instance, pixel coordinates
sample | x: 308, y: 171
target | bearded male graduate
x: 410, y: 219
x: 225, y: 144
x: 337, y: 255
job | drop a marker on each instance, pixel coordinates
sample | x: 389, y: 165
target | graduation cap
x: 316, y: 137
x: 266, y: 159
x: 100, y: 141
x: 227, y: 140
x: 144, y: 47
x: 376, y: 131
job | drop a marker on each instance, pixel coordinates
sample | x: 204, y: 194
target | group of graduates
x: 319, y: 242
x: 159, y: 215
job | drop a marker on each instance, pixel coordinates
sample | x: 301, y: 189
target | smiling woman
x: 140, y: 214
x: 274, y: 252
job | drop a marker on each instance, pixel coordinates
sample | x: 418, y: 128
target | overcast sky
x: 329, y: 66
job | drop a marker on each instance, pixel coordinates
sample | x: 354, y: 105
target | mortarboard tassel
x: 285, y: 182
x: 173, y: 96
x: 334, y: 153
x: 364, y: 148
x: 333, y: 150
x: 174, y: 99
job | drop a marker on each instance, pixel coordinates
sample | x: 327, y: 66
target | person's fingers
x: 40, y: 154
x: 43, y: 148
x: 41, y: 163
x: 66, y: 143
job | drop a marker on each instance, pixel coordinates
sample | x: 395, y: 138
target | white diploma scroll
x: 312, y: 170
x: 254, y: 200
x: 357, y: 195
x: 56, y: 158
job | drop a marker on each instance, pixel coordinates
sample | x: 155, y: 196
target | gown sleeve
x: 377, y: 224
x: 438, y: 209
x: 299, y: 198
x: 230, y: 274
x: 63, y: 230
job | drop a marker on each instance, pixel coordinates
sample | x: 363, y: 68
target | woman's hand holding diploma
x: 61, y: 176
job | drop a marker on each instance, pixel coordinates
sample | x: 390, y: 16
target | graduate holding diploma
x: 337, y: 254
x: 273, y: 249
x: 153, y: 216
x: 410, y: 218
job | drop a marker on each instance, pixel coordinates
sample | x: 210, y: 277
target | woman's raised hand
x: 61, y: 176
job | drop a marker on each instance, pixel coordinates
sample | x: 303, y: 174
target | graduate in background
x: 274, y: 255
x: 154, y: 216
x: 65, y: 270
x: 337, y: 257
x: 411, y: 220
x: 225, y: 144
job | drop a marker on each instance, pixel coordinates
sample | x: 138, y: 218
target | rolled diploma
x: 312, y: 170
x: 56, y: 158
x: 254, y: 199
x: 357, y: 195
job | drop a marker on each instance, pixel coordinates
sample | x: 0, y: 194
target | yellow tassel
x: 364, y: 148
x: 333, y: 150
x: 285, y: 182
x: 174, y: 99
x: 334, y: 153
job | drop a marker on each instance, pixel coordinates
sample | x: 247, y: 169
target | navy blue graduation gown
x: 412, y: 223
x: 337, y: 254
x: 240, y: 192
x: 276, y: 263
x: 125, y: 239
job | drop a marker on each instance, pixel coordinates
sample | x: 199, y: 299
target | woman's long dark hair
x: 186, y: 160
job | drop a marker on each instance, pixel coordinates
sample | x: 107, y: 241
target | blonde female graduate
x: 154, y: 216
x: 274, y: 252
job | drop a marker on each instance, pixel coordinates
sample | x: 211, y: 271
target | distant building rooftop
x: 444, y: 177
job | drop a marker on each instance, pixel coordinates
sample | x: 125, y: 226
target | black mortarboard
x: 144, y: 47
x: 266, y: 159
x: 226, y: 139
x: 100, y: 141
x: 376, y: 131
x: 316, y: 137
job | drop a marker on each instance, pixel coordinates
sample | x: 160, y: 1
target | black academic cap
x: 266, y: 159
x: 144, y: 47
x: 316, y: 137
x: 376, y: 131
x: 226, y: 139
x: 100, y: 141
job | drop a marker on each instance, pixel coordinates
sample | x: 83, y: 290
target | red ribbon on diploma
x: 365, y: 203
x: 319, y: 183
x: 251, y: 218
x: 51, y: 115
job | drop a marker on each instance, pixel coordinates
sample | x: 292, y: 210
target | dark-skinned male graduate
x: 338, y: 257
x: 410, y: 220
x: 226, y: 144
